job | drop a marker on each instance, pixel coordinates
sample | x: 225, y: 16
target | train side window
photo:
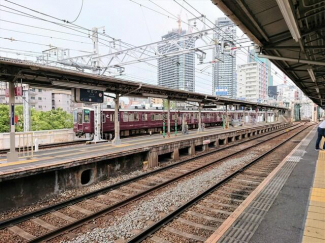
x: 131, y: 117
x: 144, y: 117
x: 152, y: 117
x: 111, y: 117
x: 125, y: 117
x: 173, y: 116
x: 136, y: 116
x: 86, y: 116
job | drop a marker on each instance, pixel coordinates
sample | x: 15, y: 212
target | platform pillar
x: 200, y: 119
x: 97, y: 123
x: 117, y: 140
x: 13, y: 154
x: 175, y: 154
x: 168, y: 118
x: 191, y: 150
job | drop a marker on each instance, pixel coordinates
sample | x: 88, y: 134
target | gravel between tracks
x: 149, y: 210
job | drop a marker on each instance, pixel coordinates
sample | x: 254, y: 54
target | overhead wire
x: 82, y: 4
x: 215, y: 26
x: 218, y: 27
x: 46, y: 36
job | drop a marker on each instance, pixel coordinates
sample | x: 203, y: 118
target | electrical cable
x: 57, y: 38
x: 82, y: 3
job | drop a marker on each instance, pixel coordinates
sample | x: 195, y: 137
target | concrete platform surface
x: 65, y: 156
x: 289, y: 207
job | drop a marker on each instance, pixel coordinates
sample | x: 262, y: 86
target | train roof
x: 161, y: 111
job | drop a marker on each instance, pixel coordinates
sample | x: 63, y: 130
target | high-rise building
x: 252, y: 83
x: 177, y: 72
x: 224, y: 70
x: 265, y: 66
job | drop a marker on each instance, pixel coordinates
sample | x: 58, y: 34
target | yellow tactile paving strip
x: 315, y: 223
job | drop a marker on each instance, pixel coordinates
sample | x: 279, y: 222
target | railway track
x: 199, y: 217
x: 43, y: 224
x: 52, y: 145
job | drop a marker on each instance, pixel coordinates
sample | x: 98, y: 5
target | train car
x: 140, y: 121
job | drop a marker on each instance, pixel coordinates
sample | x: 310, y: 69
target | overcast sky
x: 122, y: 19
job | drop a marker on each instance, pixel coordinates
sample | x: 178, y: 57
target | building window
x: 40, y: 106
x: 32, y: 98
x: 39, y: 90
x: 39, y: 98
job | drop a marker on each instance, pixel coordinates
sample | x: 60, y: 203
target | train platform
x: 288, y: 206
x: 64, y: 157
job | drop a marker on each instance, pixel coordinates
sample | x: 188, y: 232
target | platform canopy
x: 291, y: 33
x: 39, y: 75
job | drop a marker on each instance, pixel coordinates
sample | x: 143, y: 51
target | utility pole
x: 97, y: 110
x: 95, y: 60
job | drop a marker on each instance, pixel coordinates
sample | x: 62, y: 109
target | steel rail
x: 42, y: 211
x: 55, y: 233
x: 158, y: 225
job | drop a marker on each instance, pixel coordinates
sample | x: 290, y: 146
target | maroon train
x: 138, y: 121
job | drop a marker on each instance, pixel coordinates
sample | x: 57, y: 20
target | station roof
x: 298, y: 50
x: 58, y: 78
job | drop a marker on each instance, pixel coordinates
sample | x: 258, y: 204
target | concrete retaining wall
x: 44, y: 137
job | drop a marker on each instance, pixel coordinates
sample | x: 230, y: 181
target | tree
x: 40, y: 120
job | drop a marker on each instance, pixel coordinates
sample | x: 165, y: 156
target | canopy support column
x: 12, y: 156
x: 117, y: 140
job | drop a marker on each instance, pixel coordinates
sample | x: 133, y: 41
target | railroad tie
x: 63, y: 216
x: 97, y: 204
x: 219, y: 203
x: 226, y: 198
x: 22, y: 233
x: 43, y: 223
x: 190, y: 223
x: 248, y: 181
x: 81, y: 210
x: 184, y: 234
x: 158, y: 239
x: 200, y: 215
x: 233, y: 194
x: 107, y: 197
x: 213, y: 210
x: 141, y: 185
x: 120, y: 193
x: 132, y: 189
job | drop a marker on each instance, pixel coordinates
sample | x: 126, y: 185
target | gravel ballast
x: 162, y: 203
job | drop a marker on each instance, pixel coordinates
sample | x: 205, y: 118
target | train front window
x: 79, y: 117
x: 75, y: 116
x: 86, y: 115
